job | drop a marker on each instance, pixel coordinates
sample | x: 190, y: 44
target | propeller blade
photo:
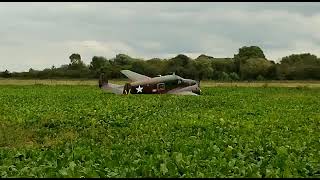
x: 199, y: 83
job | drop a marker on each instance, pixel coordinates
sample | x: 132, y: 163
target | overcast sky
x: 40, y: 35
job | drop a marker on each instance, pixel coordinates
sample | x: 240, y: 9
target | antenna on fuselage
x: 173, y: 73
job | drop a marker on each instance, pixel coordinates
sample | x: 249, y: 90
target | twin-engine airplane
x: 141, y: 84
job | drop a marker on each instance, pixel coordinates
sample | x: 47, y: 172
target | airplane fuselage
x: 161, y: 85
x: 168, y: 84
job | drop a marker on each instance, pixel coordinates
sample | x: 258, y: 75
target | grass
x: 54, y: 81
x: 204, y: 83
x: 310, y: 84
x: 81, y: 131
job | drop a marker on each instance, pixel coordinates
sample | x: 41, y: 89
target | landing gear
x: 127, y: 88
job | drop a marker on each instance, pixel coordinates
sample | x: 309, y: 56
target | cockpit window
x: 178, y: 77
x: 161, y: 86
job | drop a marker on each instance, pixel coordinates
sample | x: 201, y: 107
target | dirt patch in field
x: 14, y: 136
x: 17, y: 136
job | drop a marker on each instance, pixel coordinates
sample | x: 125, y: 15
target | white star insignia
x: 139, y: 89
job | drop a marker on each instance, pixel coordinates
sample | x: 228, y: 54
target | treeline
x: 249, y: 63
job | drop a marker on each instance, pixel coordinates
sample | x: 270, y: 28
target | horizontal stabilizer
x: 115, y: 88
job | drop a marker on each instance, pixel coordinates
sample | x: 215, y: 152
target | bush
x: 260, y: 78
x: 6, y: 74
x: 234, y: 76
x: 224, y: 76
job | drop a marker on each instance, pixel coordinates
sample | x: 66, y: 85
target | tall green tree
x: 299, y: 66
x: 75, y: 62
x: 255, y: 67
x: 178, y: 65
x: 245, y: 53
x: 6, y: 74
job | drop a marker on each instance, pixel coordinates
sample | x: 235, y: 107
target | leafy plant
x: 80, y: 131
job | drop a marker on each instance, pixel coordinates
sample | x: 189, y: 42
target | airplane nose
x: 197, y: 91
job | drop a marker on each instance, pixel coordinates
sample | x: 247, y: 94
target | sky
x: 41, y: 34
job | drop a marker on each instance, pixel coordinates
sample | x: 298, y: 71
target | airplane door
x: 161, y: 87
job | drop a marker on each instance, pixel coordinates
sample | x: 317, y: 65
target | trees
x: 246, y: 53
x: 234, y: 76
x: 75, y: 58
x: 98, y: 62
x: 75, y: 62
x: 305, y: 58
x: 178, y: 65
x: 203, y: 69
x: 158, y: 66
x: 98, y: 65
x: 248, y: 64
x: 300, y: 66
x: 143, y: 67
x: 6, y: 74
x: 254, y: 67
x: 250, y: 52
x: 223, y: 65
x: 224, y: 76
x: 123, y: 60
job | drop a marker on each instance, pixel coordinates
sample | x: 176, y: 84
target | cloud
x: 297, y: 47
x: 111, y: 48
x: 43, y: 34
x: 90, y: 48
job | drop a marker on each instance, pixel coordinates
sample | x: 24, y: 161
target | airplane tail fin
x: 105, y: 85
x: 102, y: 80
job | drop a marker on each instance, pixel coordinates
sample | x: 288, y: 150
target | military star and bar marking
x: 139, y: 89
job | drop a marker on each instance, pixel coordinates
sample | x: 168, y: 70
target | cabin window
x: 161, y: 86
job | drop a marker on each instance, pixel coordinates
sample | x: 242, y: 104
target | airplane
x: 141, y: 84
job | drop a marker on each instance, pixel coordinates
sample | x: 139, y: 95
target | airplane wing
x: 134, y: 76
x: 184, y: 93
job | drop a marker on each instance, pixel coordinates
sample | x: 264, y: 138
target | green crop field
x: 204, y: 83
x: 81, y: 131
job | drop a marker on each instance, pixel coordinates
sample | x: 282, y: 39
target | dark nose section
x: 195, y: 86
x: 197, y: 90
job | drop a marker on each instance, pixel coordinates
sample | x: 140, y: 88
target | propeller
x: 198, y: 81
